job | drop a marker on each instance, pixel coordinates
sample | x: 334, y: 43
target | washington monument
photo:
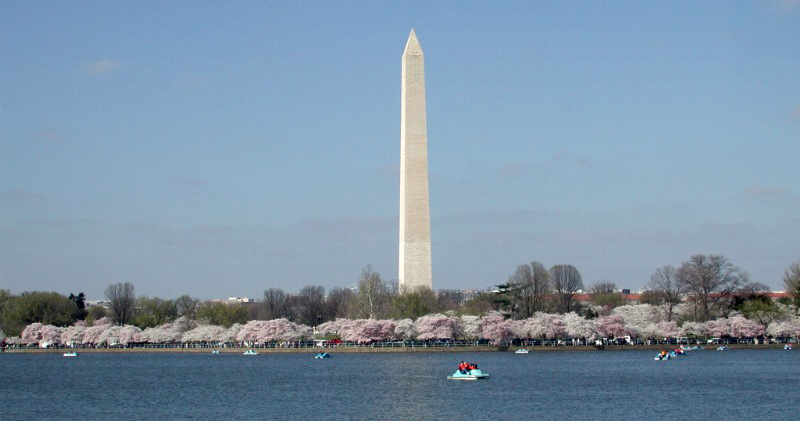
x: 415, y: 218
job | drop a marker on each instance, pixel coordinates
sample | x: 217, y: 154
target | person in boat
x: 462, y: 367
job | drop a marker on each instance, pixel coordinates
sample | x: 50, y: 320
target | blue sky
x: 222, y: 148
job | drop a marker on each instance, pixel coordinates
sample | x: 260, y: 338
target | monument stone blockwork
x: 415, y: 226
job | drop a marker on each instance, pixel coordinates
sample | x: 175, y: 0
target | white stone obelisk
x: 415, y: 224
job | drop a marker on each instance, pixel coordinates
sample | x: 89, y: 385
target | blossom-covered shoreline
x: 384, y: 349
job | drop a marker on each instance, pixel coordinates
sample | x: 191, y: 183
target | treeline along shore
x: 380, y: 349
x: 705, y: 301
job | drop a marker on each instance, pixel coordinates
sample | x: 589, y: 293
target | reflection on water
x: 742, y: 385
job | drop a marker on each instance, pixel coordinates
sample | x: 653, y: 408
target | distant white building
x: 101, y: 303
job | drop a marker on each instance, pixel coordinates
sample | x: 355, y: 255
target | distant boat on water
x: 473, y: 374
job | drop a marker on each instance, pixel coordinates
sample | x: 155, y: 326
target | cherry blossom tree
x: 742, y: 327
x: 128, y: 334
x: 667, y: 329
x: 119, y: 335
x: 719, y: 327
x: 785, y: 328
x: 203, y: 334
x: 264, y: 331
x: 648, y: 331
x: 535, y: 326
x: 639, y: 319
x: 555, y: 327
x: 470, y: 327
x: 41, y: 334
x: 92, y: 334
x: 331, y: 327
x: 168, y: 332
x: 229, y: 336
x: 579, y: 327
x: 32, y: 333
x: 405, y: 329
x: 496, y: 329
x: 368, y: 330
x: 695, y: 329
x: 519, y: 329
x: 611, y: 326
x: 354, y: 331
x: 435, y: 326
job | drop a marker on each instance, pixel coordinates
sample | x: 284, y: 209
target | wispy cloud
x: 758, y: 191
x: 101, y: 67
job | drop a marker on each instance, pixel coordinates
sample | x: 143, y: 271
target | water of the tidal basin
x: 704, y: 385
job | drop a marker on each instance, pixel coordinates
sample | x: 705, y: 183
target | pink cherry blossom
x: 719, y: 327
x: 667, y: 329
x: 579, y: 327
x: 405, y: 329
x: 264, y: 331
x: 696, y: 329
x: 496, y: 329
x: 32, y: 333
x: 742, y: 327
x: 611, y: 326
x: 436, y: 326
x: 470, y: 327
x: 785, y: 328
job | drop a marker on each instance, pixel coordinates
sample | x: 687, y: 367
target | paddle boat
x: 473, y: 374
x: 522, y: 351
x: 691, y: 348
x: 322, y: 355
x: 216, y: 351
x: 71, y: 354
x: 722, y: 348
x: 250, y: 352
x: 662, y: 356
x: 787, y: 347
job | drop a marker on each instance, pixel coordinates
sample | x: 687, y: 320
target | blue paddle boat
x: 663, y: 356
x: 250, y: 352
x: 691, y: 348
x: 787, y: 347
x: 473, y: 374
x: 322, y: 355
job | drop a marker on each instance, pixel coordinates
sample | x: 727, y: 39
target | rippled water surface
x: 729, y: 385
